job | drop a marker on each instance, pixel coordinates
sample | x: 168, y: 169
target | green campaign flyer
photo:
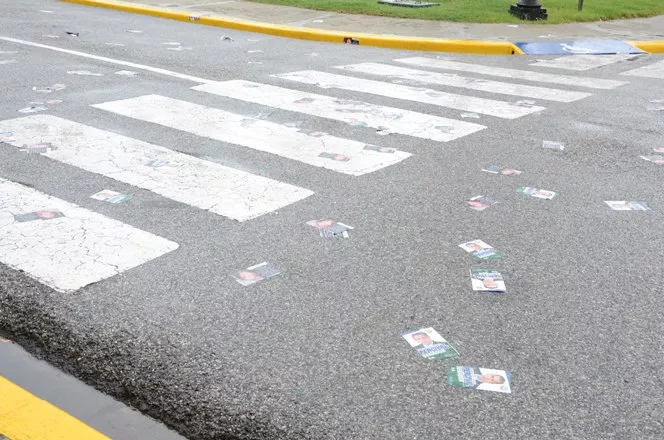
x: 429, y: 344
x: 486, y: 379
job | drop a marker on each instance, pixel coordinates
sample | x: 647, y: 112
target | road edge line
x: 386, y: 41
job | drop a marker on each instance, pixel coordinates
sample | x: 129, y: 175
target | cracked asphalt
x: 316, y: 352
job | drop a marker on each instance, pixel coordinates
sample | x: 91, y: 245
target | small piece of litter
x: 32, y: 109
x: 111, y: 196
x: 470, y: 115
x: 330, y: 228
x: 429, y: 344
x: 537, y: 193
x: 487, y: 280
x: 254, y: 274
x: 73, y: 34
x: 551, y: 145
x: 84, y: 73
x: 126, y: 73
x: 486, y: 379
x: 623, y: 205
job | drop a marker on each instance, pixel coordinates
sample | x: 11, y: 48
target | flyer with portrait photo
x: 486, y: 379
x: 111, y: 196
x: 487, y: 280
x: 429, y: 344
x: 46, y: 214
x: 330, y: 228
x: 480, y: 203
x: 254, y: 274
x: 538, y: 193
x: 481, y: 249
x: 495, y: 169
x: 624, y: 205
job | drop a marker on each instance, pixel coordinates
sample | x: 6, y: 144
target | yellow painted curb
x: 24, y: 416
x: 655, y: 46
x: 392, y: 42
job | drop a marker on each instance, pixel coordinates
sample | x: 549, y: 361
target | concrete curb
x: 391, y: 42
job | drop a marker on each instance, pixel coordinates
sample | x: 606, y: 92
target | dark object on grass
x: 529, y: 10
x: 408, y: 3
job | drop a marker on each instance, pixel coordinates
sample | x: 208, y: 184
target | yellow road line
x: 24, y: 416
x: 388, y: 41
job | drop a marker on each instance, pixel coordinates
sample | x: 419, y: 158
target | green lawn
x: 489, y: 11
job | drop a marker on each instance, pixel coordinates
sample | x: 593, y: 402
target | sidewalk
x: 636, y: 29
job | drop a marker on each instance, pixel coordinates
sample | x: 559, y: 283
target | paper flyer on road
x: 487, y: 280
x: 330, y: 228
x: 46, y: 214
x: 429, y: 344
x: 39, y: 148
x: 486, y: 379
x: 254, y: 274
x: 111, y: 196
x: 481, y: 249
x: 623, y: 205
x: 335, y: 156
x: 378, y: 149
x: 166, y: 164
x: 7, y: 137
x: 659, y: 160
x: 495, y: 169
x: 551, y: 145
x: 480, y: 203
x: 658, y: 150
x: 538, y: 193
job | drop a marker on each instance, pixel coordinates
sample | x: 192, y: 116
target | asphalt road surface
x: 227, y: 154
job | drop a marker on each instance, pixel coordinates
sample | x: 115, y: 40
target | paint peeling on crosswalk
x: 353, y: 112
x: 207, y: 185
x: 65, y: 246
x: 453, y: 80
x: 525, y: 75
x: 254, y: 133
x: 491, y: 107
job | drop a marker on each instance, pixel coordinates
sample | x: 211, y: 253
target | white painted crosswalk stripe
x: 525, y: 75
x: 318, y: 149
x: 581, y: 63
x: 386, y: 119
x: 207, y: 185
x: 655, y: 70
x: 500, y: 109
x: 452, y: 80
x: 65, y: 246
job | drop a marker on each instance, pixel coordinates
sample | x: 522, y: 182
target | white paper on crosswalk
x: 207, y: 185
x: 453, y: 80
x: 655, y: 70
x: 525, y: 75
x: 581, y: 62
x: 70, y: 251
x: 304, y: 146
x: 386, y: 119
x: 491, y: 107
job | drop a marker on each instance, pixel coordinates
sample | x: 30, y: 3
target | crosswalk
x: 35, y: 227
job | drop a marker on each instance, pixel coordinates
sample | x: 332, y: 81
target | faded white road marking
x: 655, y: 70
x: 500, y: 109
x: 338, y: 154
x: 526, y: 75
x: 446, y: 79
x: 207, y: 185
x: 581, y: 62
x: 111, y: 60
x: 71, y: 251
x: 385, y: 119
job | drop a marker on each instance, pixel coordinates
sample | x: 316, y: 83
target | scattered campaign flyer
x: 38, y: 148
x: 551, y: 145
x: 538, y: 193
x: 254, y: 274
x: 111, y: 196
x: 330, y: 228
x: 378, y: 149
x: 656, y: 150
x: 45, y: 214
x: 166, y: 164
x: 481, y: 249
x: 486, y: 379
x: 659, y: 160
x: 495, y: 169
x: 7, y: 137
x: 335, y: 156
x: 623, y: 205
x: 480, y: 203
x: 487, y: 280
x: 429, y: 344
